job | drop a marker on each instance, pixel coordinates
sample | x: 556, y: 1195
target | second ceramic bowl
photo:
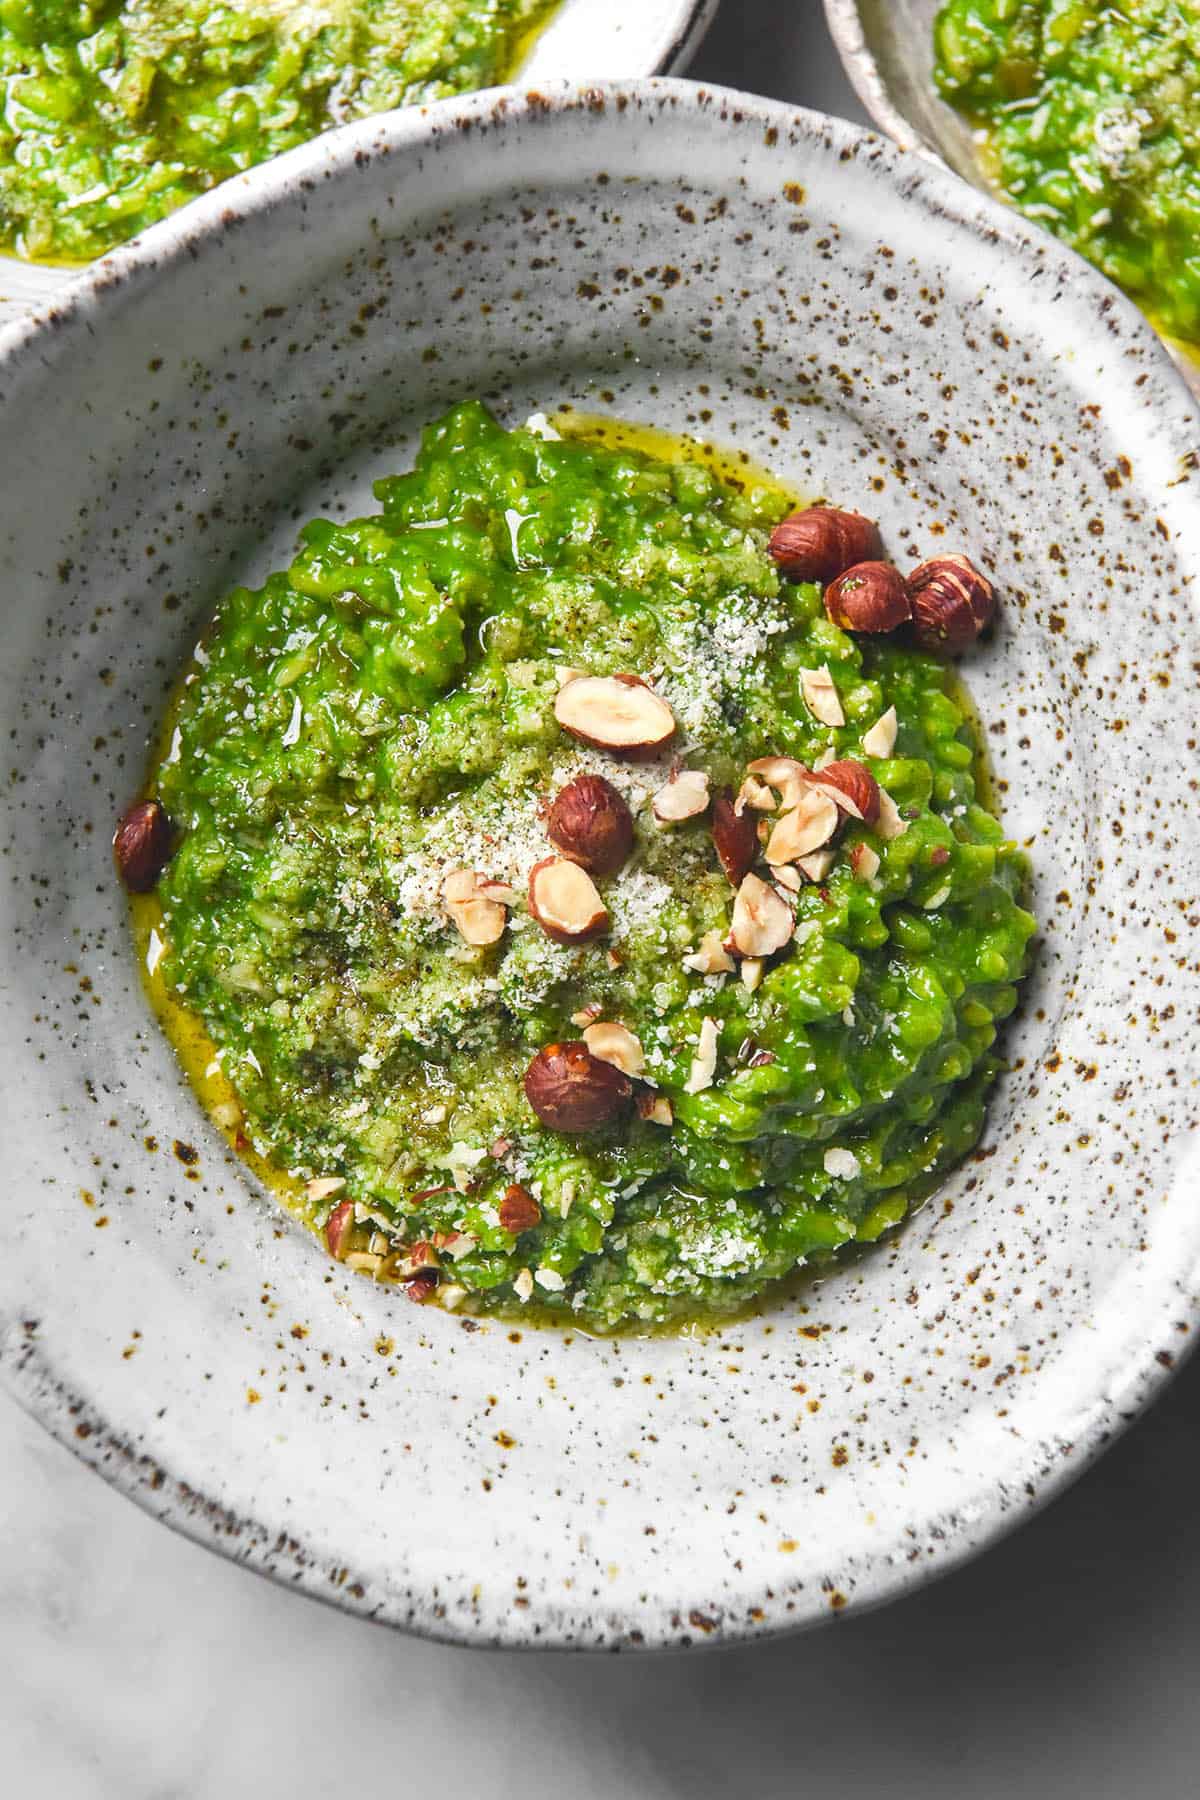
x: 886, y: 47
x: 876, y: 332
x: 586, y: 40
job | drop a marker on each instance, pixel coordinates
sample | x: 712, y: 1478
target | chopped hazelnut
x: 752, y: 973
x: 734, y: 838
x: 864, y: 861
x: 762, y: 920
x: 880, y: 740
x: 806, y: 827
x: 711, y: 958
x: 783, y: 773
x: 656, y: 1108
x: 889, y: 824
x: 479, y: 918
x: 617, y: 1045
x: 704, y: 1063
x: 821, y: 696
x: 852, y: 788
x: 324, y: 1186
x: 685, y: 796
x: 817, y: 865
x: 754, y: 794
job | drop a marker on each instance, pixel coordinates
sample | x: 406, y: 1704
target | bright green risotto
x: 117, y: 111
x: 383, y: 712
x: 1090, y: 114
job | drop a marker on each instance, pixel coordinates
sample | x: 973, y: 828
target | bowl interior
x: 771, y: 281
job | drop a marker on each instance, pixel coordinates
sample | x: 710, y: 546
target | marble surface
x: 1063, y: 1663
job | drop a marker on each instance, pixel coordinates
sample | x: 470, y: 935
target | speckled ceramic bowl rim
x: 1098, y: 1418
x: 845, y: 28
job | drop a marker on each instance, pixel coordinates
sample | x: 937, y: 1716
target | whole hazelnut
x: 869, y: 597
x: 142, y: 845
x: 571, y: 1090
x: 820, y: 542
x: 591, y: 825
x: 951, y: 603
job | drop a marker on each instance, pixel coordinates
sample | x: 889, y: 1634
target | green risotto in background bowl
x: 1088, y: 115
x: 118, y: 111
x: 573, y: 880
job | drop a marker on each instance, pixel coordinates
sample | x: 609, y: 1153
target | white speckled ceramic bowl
x: 586, y: 40
x: 875, y: 331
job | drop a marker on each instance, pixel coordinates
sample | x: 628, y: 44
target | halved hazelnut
x: 565, y: 902
x: 655, y: 1107
x: 479, y: 919
x: 519, y: 1211
x: 785, y: 876
x: 821, y: 696
x: 618, y: 713
x: 871, y: 596
x: 685, y: 796
x: 852, y: 788
x: 587, y: 1015
x: 806, y: 827
x: 142, y: 845
x: 889, y: 824
x: 617, y: 1045
x: 338, y: 1227
x: 711, y: 958
x: 704, y: 1063
x: 571, y: 1090
x: 762, y: 920
x: 880, y: 740
x: 590, y: 824
x: 819, y: 542
x: 734, y: 836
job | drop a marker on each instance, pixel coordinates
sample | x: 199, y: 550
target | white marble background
x: 134, y: 1666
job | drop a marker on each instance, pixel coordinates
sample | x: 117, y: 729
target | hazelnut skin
x: 590, y: 824
x: 338, y: 1227
x: 852, y: 787
x: 519, y: 1211
x: 951, y: 603
x: 821, y: 542
x: 142, y: 845
x: 571, y: 1090
x: 735, y: 836
x: 869, y: 597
